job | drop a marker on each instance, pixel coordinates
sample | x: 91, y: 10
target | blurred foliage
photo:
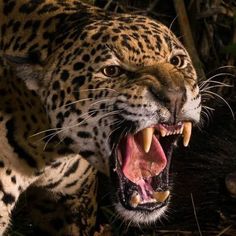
x: 231, y: 49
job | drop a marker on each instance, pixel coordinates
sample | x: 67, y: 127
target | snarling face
x: 121, y: 94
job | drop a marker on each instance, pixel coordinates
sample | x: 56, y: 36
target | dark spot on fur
x: 83, y: 134
x: 56, y: 85
x: 72, y: 169
x: 68, y: 141
x: 79, y: 80
x: 86, y: 153
x: 1, y: 164
x: 79, y: 66
x: 8, y: 7
x: 22, y: 154
x: 8, y: 171
x: 13, y: 179
x: 30, y: 6
x: 96, y: 36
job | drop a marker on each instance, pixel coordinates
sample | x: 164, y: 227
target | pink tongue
x: 137, y: 164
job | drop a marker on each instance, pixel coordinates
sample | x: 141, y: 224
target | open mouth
x: 142, y: 165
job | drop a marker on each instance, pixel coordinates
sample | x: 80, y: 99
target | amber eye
x: 112, y: 71
x: 177, y: 61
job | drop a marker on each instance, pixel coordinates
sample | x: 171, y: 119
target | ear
x: 27, y: 69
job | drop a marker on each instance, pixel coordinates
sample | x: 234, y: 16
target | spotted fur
x: 60, y: 105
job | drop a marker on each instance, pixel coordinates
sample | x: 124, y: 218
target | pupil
x: 111, y: 70
x: 175, y: 61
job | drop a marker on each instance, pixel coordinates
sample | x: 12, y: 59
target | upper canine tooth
x: 161, y: 196
x: 147, y: 138
x: 187, y: 130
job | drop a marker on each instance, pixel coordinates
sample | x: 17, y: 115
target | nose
x: 171, y: 98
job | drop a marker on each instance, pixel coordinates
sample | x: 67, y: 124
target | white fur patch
x: 138, y: 217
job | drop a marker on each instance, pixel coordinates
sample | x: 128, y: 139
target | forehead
x: 133, y: 38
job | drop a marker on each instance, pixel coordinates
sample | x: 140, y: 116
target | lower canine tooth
x: 161, y: 196
x: 187, y: 130
x: 135, y: 199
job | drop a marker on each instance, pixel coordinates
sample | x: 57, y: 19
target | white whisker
x: 77, y: 101
x: 215, y: 86
x: 44, y: 131
x: 96, y: 89
x: 208, y: 108
x: 221, y: 98
x: 214, y: 76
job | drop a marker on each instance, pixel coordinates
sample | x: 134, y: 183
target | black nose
x: 171, y: 98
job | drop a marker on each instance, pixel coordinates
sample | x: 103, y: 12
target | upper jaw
x: 181, y: 128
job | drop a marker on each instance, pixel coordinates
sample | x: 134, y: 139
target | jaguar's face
x: 125, y: 91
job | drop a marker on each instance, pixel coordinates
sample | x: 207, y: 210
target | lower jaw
x: 146, y: 212
x: 140, y: 217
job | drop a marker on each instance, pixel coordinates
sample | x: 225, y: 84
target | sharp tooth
x: 163, y: 132
x: 181, y: 129
x: 135, y: 199
x: 187, y: 130
x: 161, y: 196
x: 147, y: 138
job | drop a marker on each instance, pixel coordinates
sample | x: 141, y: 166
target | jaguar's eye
x: 112, y: 71
x: 177, y: 60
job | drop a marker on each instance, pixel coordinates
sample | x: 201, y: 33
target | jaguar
x: 84, y: 90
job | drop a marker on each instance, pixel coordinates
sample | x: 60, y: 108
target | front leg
x: 73, y: 180
x: 11, y: 186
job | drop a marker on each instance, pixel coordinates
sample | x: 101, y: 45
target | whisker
x: 219, y: 68
x: 103, y: 100
x: 119, y: 122
x: 56, y: 129
x: 44, y: 131
x: 208, y: 108
x: 47, y: 142
x: 221, y: 98
x: 172, y: 22
x: 207, y: 116
x: 215, y: 76
x: 96, y: 89
x: 77, y: 101
x: 201, y: 86
x: 76, y: 125
x: 215, y: 86
x: 62, y: 130
x: 224, y: 67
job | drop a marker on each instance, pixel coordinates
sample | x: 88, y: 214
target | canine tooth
x: 135, y: 199
x: 147, y: 138
x: 187, y: 130
x: 161, y: 196
x: 163, y: 132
